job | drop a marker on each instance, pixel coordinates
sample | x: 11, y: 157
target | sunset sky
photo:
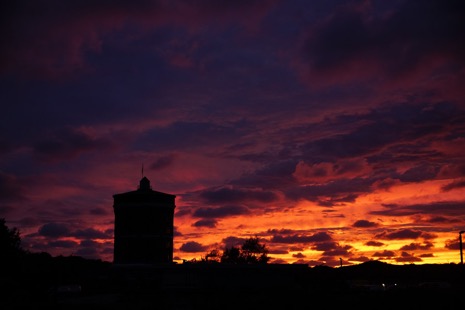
x: 328, y: 129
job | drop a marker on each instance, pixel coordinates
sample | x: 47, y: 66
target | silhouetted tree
x: 254, y: 252
x: 251, y: 252
x: 231, y: 255
x: 10, y: 246
x: 213, y: 256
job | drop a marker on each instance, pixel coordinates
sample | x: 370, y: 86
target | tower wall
x: 143, y: 226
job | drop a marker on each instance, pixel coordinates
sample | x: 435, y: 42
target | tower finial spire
x: 142, y: 172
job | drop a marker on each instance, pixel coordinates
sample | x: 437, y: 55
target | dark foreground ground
x: 92, y: 285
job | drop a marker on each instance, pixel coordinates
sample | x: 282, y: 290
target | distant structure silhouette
x: 143, y: 226
x: 461, y: 247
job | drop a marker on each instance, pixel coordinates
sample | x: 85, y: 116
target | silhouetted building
x: 143, y: 226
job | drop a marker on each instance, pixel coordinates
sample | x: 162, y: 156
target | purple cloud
x: 192, y: 247
x: 54, y: 230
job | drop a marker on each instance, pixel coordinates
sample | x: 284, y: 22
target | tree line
x: 252, y: 251
x: 10, y: 245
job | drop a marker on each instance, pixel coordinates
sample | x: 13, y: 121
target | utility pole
x: 460, y: 241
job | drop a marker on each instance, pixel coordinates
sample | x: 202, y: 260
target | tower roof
x: 144, y: 184
x: 144, y: 190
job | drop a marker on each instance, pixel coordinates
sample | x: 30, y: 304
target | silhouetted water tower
x: 143, y: 226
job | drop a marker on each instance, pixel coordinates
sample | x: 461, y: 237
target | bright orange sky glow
x: 328, y: 130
